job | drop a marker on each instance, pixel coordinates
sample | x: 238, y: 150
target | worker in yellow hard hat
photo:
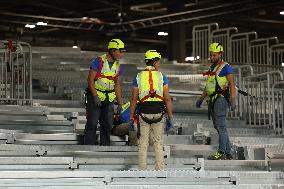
x: 220, y: 88
x: 150, y: 88
x: 103, y: 89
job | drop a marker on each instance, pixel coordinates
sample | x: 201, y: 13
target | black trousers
x: 95, y: 115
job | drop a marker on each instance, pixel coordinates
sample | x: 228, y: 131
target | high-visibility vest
x: 211, y: 80
x: 105, y: 79
x: 150, y: 84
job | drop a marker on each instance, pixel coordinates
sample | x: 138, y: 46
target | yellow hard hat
x: 152, y: 54
x: 216, y: 48
x: 116, y: 44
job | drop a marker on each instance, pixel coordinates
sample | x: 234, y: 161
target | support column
x: 177, y: 34
x: 176, y: 42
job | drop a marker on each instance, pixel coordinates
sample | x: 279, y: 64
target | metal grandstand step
x: 57, y: 102
x: 165, y: 179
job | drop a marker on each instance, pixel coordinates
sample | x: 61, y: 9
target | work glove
x: 119, y: 109
x: 131, y: 124
x: 97, y: 101
x: 169, y: 124
x: 199, y: 102
x: 233, y: 103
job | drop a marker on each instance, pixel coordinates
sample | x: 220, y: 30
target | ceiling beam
x: 108, y: 3
x: 269, y: 21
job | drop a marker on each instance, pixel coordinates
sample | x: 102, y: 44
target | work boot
x: 217, y: 156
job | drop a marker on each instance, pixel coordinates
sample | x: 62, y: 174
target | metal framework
x: 240, y: 51
x: 16, y: 73
x: 98, y: 25
x: 259, y: 103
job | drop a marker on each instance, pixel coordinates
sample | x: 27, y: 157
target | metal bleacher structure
x: 42, y: 118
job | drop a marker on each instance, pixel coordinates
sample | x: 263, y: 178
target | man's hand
x: 97, y: 101
x: 131, y: 124
x: 233, y: 103
x: 199, y: 102
x: 169, y: 124
x: 119, y: 109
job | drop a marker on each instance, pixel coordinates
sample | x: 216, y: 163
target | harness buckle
x: 152, y: 94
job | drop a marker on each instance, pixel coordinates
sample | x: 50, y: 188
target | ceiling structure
x: 136, y: 21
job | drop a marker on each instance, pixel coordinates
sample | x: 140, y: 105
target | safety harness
x: 152, y: 94
x: 218, y: 90
x: 212, y: 73
x: 100, y: 75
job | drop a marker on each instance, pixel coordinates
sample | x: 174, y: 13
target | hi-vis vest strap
x: 213, y: 78
x: 150, y: 85
x: 105, y: 79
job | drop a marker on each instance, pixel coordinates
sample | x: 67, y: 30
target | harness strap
x: 212, y: 73
x: 111, y: 91
x: 151, y: 121
x: 99, y: 75
x: 152, y: 93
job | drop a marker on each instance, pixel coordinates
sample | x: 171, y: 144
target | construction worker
x: 120, y: 125
x: 150, y: 88
x: 103, y: 89
x: 221, y: 90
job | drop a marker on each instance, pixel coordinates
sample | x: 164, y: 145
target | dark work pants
x: 103, y: 115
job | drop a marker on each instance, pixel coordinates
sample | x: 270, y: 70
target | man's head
x: 152, y: 58
x: 215, y: 50
x: 116, y: 49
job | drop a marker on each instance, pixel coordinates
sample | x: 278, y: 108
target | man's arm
x: 232, y: 87
x: 168, y: 101
x: 91, y: 79
x: 117, y: 90
x: 133, y: 101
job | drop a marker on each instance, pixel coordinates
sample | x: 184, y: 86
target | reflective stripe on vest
x: 125, y: 106
x: 211, y: 82
x: 105, y: 79
x: 150, y: 85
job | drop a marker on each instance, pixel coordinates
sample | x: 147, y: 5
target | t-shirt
x: 227, y: 69
x: 124, y: 116
x: 166, y: 81
x: 95, y: 65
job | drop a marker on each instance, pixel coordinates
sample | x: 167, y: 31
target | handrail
x: 273, y: 104
x: 266, y: 73
x: 245, y: 66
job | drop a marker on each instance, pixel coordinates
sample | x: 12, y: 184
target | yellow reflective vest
x: 211, y: 81
x: 105, y: 79
x: 150, y: 84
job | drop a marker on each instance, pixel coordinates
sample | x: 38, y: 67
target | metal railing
x: 260, y: 50
x: 258, y: 103
x: 278, y: 107
x: 239, y: 48
x: 201, y: 38
x: 223, y: 36
x: 15, y: 73
x: 277, y: 56
x: 240, y: 51
x: 263, y: 57
x: 239, y: 73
